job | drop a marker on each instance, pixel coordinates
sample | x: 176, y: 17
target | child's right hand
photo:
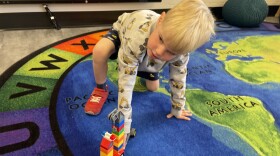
x: 124, y: 141
x: 184, y: 115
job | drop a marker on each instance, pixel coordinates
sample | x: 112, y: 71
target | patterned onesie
x: 134, y: 30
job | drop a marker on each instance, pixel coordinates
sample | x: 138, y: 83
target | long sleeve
x: 177, y: 81
x: 133, y: 30
x: 126, y: 82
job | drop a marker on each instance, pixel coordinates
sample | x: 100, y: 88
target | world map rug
x: 233, y: 91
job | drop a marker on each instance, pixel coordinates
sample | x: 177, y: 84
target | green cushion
x: 245, y: 13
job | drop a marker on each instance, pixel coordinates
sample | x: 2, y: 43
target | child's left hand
x: 184, y: 115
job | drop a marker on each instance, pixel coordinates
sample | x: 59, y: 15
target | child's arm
x: 127, y: 77
x: 131, y: 52
x: 133, y: 42
x: 178, y: 74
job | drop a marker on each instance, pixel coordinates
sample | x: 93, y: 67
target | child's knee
x: 152, y: 85
x: 152, y: 88
x: 103, y: 50
x: 98, y: 56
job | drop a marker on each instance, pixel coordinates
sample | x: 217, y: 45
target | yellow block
x: 118, y: 143
x: 104, y: 154
x: 119, y: 140
x: 103, y: 150
x: 118, y: 137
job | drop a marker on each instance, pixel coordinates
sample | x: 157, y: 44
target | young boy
x: 145, y: 42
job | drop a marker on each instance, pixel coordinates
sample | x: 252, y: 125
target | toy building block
x: 106, y: 145
x: 117, y: 119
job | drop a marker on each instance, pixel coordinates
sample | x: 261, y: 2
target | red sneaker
x: 96, y: 101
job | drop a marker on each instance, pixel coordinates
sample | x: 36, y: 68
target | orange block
x: 106, y: 143
x: 105, y: 150
x: 118, y: 144
x: 117, y: 141
x: 118, y: 153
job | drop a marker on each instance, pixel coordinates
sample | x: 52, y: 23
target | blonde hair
x: 187, y: 26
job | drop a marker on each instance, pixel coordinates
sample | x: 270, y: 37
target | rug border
x: 13, y: 68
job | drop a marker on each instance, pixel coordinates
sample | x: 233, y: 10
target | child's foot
x: 96, y: 101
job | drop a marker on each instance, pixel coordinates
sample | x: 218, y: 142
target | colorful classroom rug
x: 233, y: 91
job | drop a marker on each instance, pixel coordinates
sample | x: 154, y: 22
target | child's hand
x: 124, y: 141
x: 184, y: 115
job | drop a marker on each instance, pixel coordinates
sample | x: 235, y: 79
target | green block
x: 118, y: 133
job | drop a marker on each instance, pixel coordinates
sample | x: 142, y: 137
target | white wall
x: 165, y: 4
x: 8, y: 8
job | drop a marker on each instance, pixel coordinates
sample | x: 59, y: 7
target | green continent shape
x: 245, y: 115
x: 61, y: 66
x: 256, y: 71
x: 261, y: 136
x: 33, y: 100
x: 264, y: 67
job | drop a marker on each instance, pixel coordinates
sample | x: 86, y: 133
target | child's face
x: 156, y: 48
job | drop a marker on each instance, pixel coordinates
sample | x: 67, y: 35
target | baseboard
x: 38, y: 20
